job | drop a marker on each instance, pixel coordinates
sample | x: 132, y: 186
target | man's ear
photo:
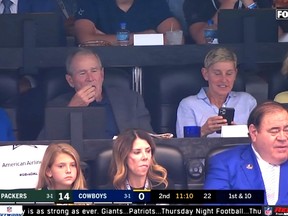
x: 102, y: 74
x: 69, y: 80
x: 252, y: 132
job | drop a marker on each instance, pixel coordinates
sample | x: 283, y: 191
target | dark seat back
x: 169, y: 157
x: 277, y: 83
x: 9, y: 88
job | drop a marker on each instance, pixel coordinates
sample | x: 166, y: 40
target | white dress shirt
x: 13, y: 7
x: 271, y: 177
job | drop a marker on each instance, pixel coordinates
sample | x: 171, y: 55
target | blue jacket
x: 37, y: 6
x: 238, y: 168
x: 6, y: 129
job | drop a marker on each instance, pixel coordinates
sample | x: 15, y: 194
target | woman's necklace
x: 146, y: 186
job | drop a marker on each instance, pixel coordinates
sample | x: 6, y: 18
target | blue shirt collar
x: 203, y: 96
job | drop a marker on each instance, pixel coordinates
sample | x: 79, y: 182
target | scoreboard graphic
x: 142, y: 202
x: 132, y: 196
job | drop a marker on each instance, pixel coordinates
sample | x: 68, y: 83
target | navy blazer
x: 237, y: 168
x: 37, y: 6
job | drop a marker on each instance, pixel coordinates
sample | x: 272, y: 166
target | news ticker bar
x: 135, y: 210
x: 129, y: 196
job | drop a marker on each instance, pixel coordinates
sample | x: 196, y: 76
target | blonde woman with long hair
x: 133, y: 164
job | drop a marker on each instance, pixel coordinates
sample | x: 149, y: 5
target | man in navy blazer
x: 33, y: 6
x: 250, y: 166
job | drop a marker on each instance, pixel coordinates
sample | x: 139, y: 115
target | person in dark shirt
x: 198, y: 12
x: 100, y: 20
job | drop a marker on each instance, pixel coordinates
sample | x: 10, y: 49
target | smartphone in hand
x: 227, y: 113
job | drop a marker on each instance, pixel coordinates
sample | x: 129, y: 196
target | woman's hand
x: 212, y: 125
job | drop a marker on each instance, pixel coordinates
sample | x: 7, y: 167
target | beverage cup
x: 174, y: 37
x: 192, y: 131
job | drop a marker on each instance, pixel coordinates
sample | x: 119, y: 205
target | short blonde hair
x: 219, y: 54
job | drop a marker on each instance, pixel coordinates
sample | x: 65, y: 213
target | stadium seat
x: 277, y: 83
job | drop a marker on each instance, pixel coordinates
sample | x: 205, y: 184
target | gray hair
x: 79, y: 51
x: 219, y: 54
